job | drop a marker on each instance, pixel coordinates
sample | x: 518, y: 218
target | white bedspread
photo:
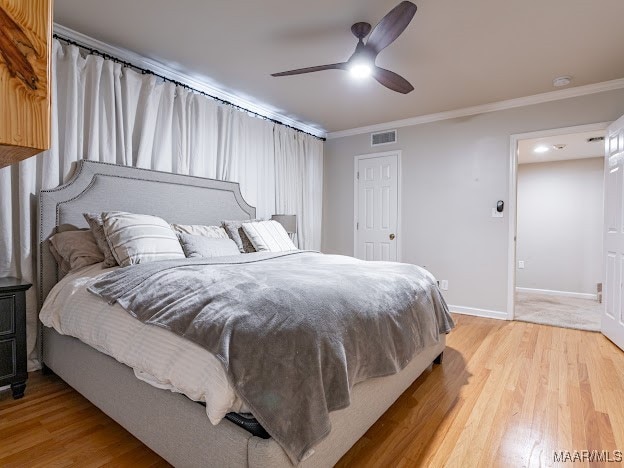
x: 158, y: 357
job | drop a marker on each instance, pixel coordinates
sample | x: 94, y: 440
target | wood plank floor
x: 507, y: 394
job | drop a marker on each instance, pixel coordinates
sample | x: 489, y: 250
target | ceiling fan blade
x: 299, y: 71
x: 391, y: 26
x: 392, y: 81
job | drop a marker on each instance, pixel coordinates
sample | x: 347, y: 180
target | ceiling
x: 455, y: 53
x: 576, y: 147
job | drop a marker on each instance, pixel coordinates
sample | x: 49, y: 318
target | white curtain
x: 299, y: 183
x: 106, y: 112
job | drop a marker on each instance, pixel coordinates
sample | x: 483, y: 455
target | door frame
x: 356, y: 201
x: 513, y: 194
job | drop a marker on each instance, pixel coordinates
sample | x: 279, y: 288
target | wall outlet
x: 521, y: 264
x: 444, y: 285
x: 496, y: 214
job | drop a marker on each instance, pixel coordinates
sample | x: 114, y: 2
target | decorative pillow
x: 135, y: 238
x: 268, y: 236
x: 199, y: 230
x: 97, y: 229
x: 235, y: 231
x: 202, y: 246
x: 75, y: 249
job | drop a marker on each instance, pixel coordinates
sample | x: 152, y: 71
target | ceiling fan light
x: 360, y: 70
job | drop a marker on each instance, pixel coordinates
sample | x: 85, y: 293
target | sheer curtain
x: 106, y: 112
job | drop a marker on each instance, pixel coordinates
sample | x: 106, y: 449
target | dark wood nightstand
x: 13, y: 335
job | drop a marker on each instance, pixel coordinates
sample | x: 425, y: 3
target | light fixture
x: 360, y: 69
x: 559, y: 146
x: 541, y: 149
x: 562, y: 81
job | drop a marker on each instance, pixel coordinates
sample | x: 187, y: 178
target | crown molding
x: 484, y: 108
x: 194, y: 82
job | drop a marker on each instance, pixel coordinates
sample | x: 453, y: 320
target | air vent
x: 383, y: 138
x: 595, y: 139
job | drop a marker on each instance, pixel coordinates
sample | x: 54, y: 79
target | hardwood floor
x: 507, y: 394
x: 53, y: 425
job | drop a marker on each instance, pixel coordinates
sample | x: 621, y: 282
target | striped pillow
x: 268, y: 236
x: 135, y: 238
x: 214, y: 232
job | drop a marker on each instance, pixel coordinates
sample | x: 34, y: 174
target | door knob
x: 392, y: 236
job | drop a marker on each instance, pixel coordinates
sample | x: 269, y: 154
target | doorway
x: 377, y: 206
x: 557, y: 223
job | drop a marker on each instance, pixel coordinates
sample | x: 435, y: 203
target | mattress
x: 157, y: 356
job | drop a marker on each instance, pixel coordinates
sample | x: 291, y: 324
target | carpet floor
x: 559, y: 311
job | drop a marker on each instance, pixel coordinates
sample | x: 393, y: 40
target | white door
x: 613, y: 314
x: 377, y: 207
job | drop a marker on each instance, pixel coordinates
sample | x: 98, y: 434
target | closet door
x: 377, y: 207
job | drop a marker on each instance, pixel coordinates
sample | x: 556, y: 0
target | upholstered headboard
x: 97, y: 187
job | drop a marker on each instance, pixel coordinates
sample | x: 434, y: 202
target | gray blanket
x: 294, y: 331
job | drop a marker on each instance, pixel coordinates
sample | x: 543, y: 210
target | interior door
x: 612, y: 325
x: 377, y: 213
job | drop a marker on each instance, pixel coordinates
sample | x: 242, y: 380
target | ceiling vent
x: 384, y: 138
x: 595, y: 139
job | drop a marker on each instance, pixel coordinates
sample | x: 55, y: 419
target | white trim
x: 513, y: 192
x: 484, y: 108
x: 494, y: 314
x: 551, y: 292
x: 200, y: 84
x: 512, y: 229
x: 399, y: 233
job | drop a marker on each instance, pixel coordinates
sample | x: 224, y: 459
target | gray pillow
x: 97, y: 229
x: 202, y: 246
x: 236, y: 233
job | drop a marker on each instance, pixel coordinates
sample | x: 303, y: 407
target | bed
x: 171, y: 424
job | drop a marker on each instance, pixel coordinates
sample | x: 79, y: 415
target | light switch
x: 521, y: 264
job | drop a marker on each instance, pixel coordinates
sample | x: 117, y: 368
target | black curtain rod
x: 146, y: 71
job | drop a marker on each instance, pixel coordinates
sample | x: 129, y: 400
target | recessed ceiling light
x: 562, y: 81
x: 541, y: 149
x: 560, y: 146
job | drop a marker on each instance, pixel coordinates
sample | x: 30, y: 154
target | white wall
x: 559, y: 231
x: 454, y: 171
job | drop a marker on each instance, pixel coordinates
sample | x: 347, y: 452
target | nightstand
x: 13, y: 335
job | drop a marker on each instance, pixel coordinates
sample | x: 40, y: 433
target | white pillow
x: 268, y: 236
x: 214, y: 232
x: 135, y: 238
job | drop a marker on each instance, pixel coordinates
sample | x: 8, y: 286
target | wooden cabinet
x: 13, y: 335
x: 25, y: 49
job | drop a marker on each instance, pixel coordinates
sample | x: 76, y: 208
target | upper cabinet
x: 25, y: 41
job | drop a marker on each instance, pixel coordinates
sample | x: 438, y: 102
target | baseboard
x: 550, y: 292
x: 495, y: 314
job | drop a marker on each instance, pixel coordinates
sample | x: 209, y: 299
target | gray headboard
x: 97, y: 187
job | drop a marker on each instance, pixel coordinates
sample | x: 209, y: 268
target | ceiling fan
x: 362, y: 62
